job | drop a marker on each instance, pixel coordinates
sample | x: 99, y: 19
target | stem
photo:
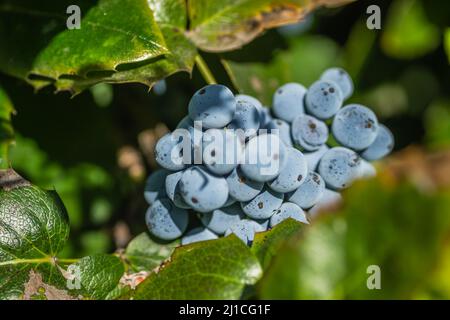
x: 4, y: 156
x: 70, y: 261
x: 204, y: 70
x: 28, y: 261
x: 46, y: 259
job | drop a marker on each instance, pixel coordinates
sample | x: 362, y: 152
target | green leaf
x: 99, y: 274
x: 216, y: 269
x: 403, y: 231
x: 447, y: 43
x: 6, y: 129
x: 34, y: 227
x: 224, y: 25
x: 170, y: 15
x: 266, y: 244
x: 408, y: 34
x: 437, y: 122
x: 181, y: 58
x: 307, y: 57
x: 143, y: 253
x: 119, y: 41
x: 112, y: 33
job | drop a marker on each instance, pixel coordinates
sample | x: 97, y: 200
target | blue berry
x: 242, y: 188
x: 293, y: 174
x: 264, y: 117
x: 339, y: 167
x: 169, y: 153
x: 172, y: 188
x: 222, y: 150
x: 166, y: 221
x: 154, y: 187
x: 288, y: 210
x: 382, y: 146
x: 250, y: 99
x: 355, y: 127
x: 288, y: 101
x: 196, y: 235
x: 264, y: 223
x: 203, y: 191
x: 214, y: 105
x: 341, y: 78
x: 171, y: 183
x: 223, y: 218
x: 284, y: 131
x: 309, y: 132
x: 185, y: 123
x: 265, y: 155
x: 160, y: 87
x: 264, y: 205
x: 309, y: 192
x: 313, y: 158
x: 366, y: 170
x: 246, y: 118
x: 323, y: 99
x: 245, y: 230
x: 230, y: 200
x: 329, y: 199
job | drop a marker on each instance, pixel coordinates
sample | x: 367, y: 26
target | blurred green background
x: 96, y: 149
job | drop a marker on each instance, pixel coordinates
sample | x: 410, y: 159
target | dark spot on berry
x: 331, y: 90
x: 213, y: 153
x: 202, y: 91
x: 280, y: 91
x: 242, y: 179
x: 260, y: 205
x: 299, y: 178
x: 312, y: 125
x: 369, y: 124
x: 325, y: 93
x: 316, y: 179
x: 279, y: 122
x: 194, y: 200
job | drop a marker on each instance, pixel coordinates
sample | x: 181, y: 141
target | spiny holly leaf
x: 403, y: 232
x: 170, y: 15
x: 266, y: 244
x: 224, y: 25
x: 114, y: 32
x: 115, y: 35
x: 143, y: 253
x: 181, y: 58
x: 34, y: 227
x: 299, y: 64
x: 6, y: 129
x: 216, y: 269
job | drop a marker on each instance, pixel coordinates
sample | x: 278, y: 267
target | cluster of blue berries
x: 293, y: 172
